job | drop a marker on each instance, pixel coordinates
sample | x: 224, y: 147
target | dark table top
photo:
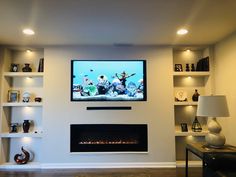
x: 200, y: 148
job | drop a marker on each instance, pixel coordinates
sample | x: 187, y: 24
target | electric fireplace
x: 108, y: 138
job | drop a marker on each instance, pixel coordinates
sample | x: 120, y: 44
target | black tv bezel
x: 121, y: 100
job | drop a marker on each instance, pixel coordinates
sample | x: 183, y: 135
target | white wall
x: 59, y: 112
x: 225, y: 72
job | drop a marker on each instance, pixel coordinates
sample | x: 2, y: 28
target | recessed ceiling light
x: 28, y: 31
x: 182, y: 32
x: 28, y: 51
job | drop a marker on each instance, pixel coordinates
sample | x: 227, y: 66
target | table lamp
x: 213, y: 106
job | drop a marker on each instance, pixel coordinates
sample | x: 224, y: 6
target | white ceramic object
x: 214, y: 138
x: 26, y: 97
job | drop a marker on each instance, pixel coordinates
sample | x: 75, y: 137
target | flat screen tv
x: 108, y: 80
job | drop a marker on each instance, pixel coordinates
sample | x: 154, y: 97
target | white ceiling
x: 108, y: 22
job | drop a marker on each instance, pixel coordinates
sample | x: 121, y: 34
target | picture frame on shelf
x: 184, y: 127
x: 14, y: 67
x: 13, y: 95
x: 178, y: 67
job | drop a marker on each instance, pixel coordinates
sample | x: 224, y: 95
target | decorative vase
x: 27, y: 68
x: 22, y: 158
x: 26, y: 126
x: 195, y: 95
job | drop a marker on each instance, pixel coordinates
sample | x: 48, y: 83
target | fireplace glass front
x: 108, y: 138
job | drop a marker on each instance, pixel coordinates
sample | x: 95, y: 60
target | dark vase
x: 26, y: 126
x: 27, y: 68
x: 195, y: 96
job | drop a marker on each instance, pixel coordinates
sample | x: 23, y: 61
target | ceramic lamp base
x: 214, y: 138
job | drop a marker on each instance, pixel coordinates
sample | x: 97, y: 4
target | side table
x: 201, y: 150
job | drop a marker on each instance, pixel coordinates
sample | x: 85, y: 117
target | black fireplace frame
x: 139, y: 131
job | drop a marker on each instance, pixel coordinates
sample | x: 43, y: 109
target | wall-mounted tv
x: 108, y: 80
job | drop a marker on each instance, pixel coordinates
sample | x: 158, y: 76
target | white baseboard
x: 89, y: 165
x: 108, y: 165
x: 14, y: 166
x: 190, y: 163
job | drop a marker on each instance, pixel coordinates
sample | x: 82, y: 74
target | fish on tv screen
x: 108, y: 80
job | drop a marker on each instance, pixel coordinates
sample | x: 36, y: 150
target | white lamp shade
x: 212, y: 106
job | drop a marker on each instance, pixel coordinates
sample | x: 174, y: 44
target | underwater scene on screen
x: 107, y: 80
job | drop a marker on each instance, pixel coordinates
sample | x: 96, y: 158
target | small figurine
x: 192, y: 67
x: 187, y: 67
x: 14, y: 127
x: 26, y: 97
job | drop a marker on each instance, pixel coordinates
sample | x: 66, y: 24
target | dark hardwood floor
x: 157, y: 172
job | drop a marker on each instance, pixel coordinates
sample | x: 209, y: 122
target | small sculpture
x: 181, y: 96
x: 14, y: 127
x: 27, y: 68
x: 22, y: 158
x: 187, y: 67
x: 192, y: 67
x: 26, y: 97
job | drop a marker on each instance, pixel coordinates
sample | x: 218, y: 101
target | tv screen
x: 108, y: 80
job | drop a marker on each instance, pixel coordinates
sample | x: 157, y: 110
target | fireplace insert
x: 108, y: 138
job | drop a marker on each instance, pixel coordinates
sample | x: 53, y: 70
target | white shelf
x: 21, y: 104
x: 193, y: 73
x: 21, y: 135
x: 23, y: 74
x: 29, y: 165
x: 190, y: 132
x: 195, y: 163
x: 185, y: 103
x: 11, y: 112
